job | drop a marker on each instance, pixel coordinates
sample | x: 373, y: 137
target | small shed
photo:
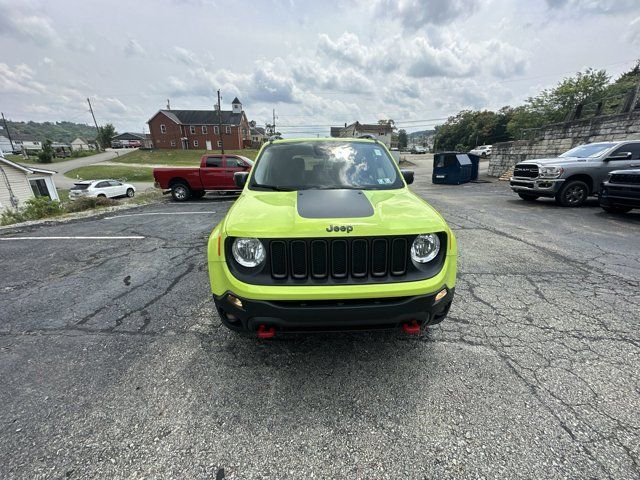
x: 19, y: 183
x: 82, y: 144
x: 451, y: 168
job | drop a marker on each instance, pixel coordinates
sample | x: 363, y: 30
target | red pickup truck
x: 215, y: 173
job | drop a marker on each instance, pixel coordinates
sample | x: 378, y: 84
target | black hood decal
x: 333, y: 204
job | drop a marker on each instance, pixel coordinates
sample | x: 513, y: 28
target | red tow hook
x: 412, y: 328
x: 266, y: 332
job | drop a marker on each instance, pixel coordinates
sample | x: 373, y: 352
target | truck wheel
x: 528, y: 197
x: 198, y: 194
x: 573, y: 194
x: 616, y: 209
x: 180, y: 192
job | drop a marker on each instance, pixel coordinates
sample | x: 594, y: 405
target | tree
x: 107, y: 132
x: 389, y: 122
x: 553, y: 104
x: 402, y: 139
x: 46, y: 155
x: 470, y: 128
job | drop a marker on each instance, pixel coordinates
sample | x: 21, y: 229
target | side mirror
x: 240, y: 179
x: 407, y: 175
x: 621, y: 156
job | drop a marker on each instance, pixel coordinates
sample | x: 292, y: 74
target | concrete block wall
x: 558, y: 138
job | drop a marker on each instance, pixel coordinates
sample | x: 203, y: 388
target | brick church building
x: 200, y: 129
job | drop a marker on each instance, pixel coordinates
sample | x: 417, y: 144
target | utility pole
x: 6, y: 127
x: 96, y: 123
x: 274, y: 121
x: 220, y: 123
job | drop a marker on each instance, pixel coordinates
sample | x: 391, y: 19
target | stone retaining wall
x: 558, y: 138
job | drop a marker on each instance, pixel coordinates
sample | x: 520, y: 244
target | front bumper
x: 330, y: 315
x: 545, y: 187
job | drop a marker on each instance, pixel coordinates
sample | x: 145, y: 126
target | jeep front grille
x: 338, y: 258
x: 525, y: 170
x: 341, y: 260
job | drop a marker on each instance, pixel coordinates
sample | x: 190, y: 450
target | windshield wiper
x: 276, y: 188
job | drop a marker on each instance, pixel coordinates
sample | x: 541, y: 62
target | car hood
x: 278, y: 214
x: 553, y: 161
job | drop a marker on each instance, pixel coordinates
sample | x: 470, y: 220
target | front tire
x: 573, y: 194
x: 130, y: 192
x: 180, y: 192
x: 528, y: 197
x: 616, y: 209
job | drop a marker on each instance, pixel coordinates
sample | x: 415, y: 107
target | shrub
x: 46, y: 155
x: 33, y: 209
x: 88, y: 203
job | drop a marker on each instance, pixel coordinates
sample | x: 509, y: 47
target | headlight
x: 425, y: 248
x: 551, y: 172
x: 248, y: 252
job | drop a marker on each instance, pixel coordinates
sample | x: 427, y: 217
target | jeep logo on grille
x: 339, y: 228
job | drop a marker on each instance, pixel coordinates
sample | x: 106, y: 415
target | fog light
x: 235, y: 301
x: 441, y: 294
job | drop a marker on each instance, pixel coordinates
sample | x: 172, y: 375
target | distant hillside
x: 63, y: 132
x: 421, y: 135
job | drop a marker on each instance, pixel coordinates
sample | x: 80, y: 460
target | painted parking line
x: 131, y: 237
x: 160, y: 213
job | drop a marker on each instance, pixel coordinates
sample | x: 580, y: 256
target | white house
x: 82, y: 144
x: 25, y: 142
x: 5, y: 144
x: 19, y: 183
x: 382, y: 132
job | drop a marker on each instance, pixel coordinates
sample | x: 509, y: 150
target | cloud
x: 415, y: 14
x: 425, y: 60
x: 633, y: 34
x: 19, y: 79
x: 17, y: 22
x: 594, y: 6
x: 348, y: 49
x: 132, y: 48
x: 184, y: 56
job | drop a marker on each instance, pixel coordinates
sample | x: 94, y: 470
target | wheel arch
x: 584, y: 178
x: 176, y: 180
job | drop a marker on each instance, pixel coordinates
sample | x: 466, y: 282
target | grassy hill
x: 421, y: 135
x: 63, y: 132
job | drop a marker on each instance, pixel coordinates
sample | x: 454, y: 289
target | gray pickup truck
x: 576, y: 174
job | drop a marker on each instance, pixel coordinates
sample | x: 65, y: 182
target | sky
x: 317, y: 63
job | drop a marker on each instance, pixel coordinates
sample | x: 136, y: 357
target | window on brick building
x: 173, y: 143
x: 219, y: 143
x: 227, y: 130
x: 163, y: 128
x: 216, y: 130
x: 192, y: 129
x: 195, y: 143
x: 204, y: 129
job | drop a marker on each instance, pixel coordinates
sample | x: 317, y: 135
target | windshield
x: 586, y: 151
x: 80, y: 186
x: 325, y: 165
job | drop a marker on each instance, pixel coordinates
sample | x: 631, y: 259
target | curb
x: 76, y: 215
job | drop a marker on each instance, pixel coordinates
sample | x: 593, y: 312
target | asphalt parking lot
x: 113, y: 363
